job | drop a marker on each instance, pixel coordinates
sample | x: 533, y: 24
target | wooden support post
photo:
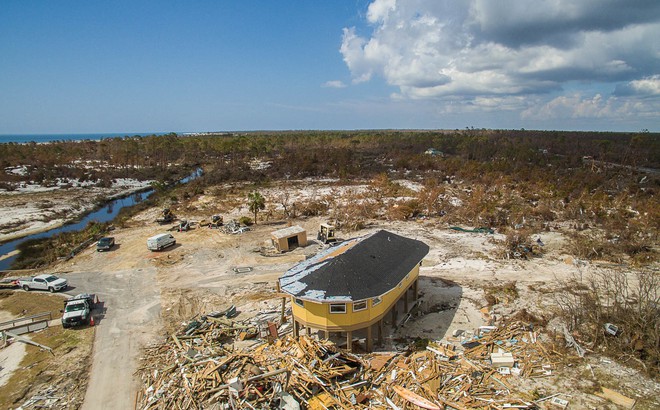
x: 405, y: 301
x: 283, y: 318
x: 394, y: 314
x: 296, y: 328
x: 416, y: 289
x: 370, y: 342
x: 327, y: 334
x: 349, y: 341
x: 380, y: 332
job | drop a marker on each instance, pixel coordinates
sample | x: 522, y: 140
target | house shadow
x: 436, y: 310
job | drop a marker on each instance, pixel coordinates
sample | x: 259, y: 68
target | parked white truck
x: 47, y: 282
x: 78, y: 310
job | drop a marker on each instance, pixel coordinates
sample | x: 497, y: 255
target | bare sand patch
x: 10, y: 359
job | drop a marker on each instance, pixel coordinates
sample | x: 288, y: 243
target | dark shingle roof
x: 357, y: 269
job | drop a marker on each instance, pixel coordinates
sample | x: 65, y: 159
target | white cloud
x: 333, y: 84
x: 473, y: 53
x: 649, y: 86
x: 352, y: 48
x: 577, y: 106
x: 379, y: 10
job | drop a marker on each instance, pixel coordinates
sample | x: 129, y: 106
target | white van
x: 158, y: 242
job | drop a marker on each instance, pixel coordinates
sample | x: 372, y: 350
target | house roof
x: 287, y: 232
x: 357, y: 269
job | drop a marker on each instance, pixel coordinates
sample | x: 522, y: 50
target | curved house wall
x: 317, y: 314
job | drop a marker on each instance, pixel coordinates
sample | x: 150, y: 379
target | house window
x: 299, y: 302
x: 338, y: 308
x: 358, y: 306
x: 376, y: 301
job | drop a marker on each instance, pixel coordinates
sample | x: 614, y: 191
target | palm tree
x: 256, y: 203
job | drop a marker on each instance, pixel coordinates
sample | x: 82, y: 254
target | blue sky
x: 138, y: 66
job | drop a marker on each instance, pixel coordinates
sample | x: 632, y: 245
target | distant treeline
x: 341, y: 154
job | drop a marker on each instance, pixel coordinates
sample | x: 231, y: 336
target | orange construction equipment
x: 91, y: 320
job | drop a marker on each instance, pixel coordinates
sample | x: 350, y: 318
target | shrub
x: 631, y: 301
x: 518, y: 245
x: 312, y: 208
x: 7, y: 186
x: 504, y: 293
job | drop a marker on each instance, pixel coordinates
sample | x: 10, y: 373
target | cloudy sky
x: 138, y: 66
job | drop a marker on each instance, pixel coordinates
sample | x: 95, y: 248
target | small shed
x: 289, y: 238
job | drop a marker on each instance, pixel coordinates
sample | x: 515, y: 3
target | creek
x: 106, y: 213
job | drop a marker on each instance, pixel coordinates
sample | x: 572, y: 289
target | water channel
x: 106, y: 213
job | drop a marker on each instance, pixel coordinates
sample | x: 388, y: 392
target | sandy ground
x: 146, y: 293
x: 10, y: 358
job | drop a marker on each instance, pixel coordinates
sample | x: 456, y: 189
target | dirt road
x: 128, y: 318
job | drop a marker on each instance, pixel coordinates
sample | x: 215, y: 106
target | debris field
x: 218, y: 363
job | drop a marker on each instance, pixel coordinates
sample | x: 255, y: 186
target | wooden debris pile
x: 203, y: 367
x: 470, y: 379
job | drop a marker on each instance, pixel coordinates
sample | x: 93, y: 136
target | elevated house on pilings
x: 354, y: 286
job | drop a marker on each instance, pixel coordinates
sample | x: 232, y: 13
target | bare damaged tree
x: 284, y: 199
x: 630, y: 301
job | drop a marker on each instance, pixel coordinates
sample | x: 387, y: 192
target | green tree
x: 256, y: 203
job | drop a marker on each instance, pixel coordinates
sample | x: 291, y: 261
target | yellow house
x: 354, y: 285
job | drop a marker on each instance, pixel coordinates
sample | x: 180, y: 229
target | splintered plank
x: 617, y: 398
x: 415, y: 398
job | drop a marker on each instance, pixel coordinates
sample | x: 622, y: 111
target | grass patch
x: 30, y: 303
x: 40, y: 369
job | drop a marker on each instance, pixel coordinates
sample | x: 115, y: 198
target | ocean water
x: 39, y: 138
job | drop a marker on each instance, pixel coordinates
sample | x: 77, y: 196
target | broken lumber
x: 616, y: 398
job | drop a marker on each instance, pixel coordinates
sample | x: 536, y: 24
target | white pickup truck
x: 47, y: 282
x: 78, y: 310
